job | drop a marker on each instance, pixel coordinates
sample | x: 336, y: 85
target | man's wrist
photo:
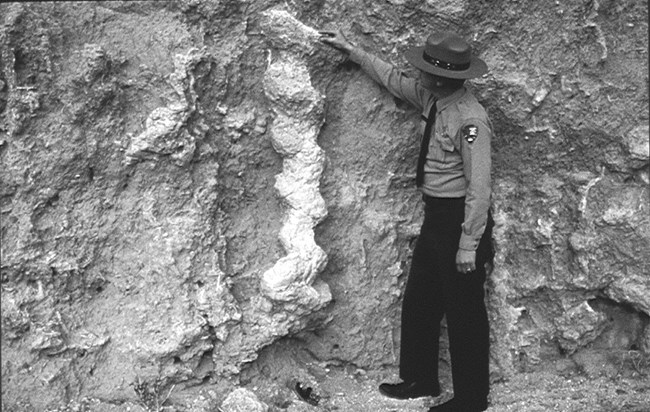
x: 356, y: 54
x: 468, y: 243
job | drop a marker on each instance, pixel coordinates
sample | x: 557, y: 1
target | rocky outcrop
x: 184, y: 184
x: 164, y: 132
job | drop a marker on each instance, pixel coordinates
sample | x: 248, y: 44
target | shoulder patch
x: 470, y: 133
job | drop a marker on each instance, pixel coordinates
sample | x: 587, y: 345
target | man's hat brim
x: 477, y: 67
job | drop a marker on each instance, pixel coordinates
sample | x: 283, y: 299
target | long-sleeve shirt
x: 458, y: 162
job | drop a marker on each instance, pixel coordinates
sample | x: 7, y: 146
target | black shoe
x: 455, y: 406
x: 409, y: 390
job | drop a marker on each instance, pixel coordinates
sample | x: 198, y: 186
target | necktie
x: 424, y: 146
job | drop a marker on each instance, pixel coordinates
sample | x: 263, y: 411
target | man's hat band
x: 444, y: 65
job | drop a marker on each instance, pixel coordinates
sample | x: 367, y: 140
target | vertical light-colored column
x: 299, y: 115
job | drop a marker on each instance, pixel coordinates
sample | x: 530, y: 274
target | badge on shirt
x: 470, y: 133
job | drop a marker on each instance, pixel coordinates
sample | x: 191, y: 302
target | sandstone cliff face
x: 186, y: 183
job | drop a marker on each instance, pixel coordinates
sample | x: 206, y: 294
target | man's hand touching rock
x: 336, y: 39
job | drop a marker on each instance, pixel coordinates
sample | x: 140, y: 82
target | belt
x: 443, y: 201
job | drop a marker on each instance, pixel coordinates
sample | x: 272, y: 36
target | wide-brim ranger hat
x: 446, y: 54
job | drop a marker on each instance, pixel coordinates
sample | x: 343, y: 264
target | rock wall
x: 186, y: 183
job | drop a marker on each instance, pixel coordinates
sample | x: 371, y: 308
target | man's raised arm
x: 394, y: 80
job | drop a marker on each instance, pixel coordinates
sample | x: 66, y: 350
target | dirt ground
x: 588, y: 381
x: 356, y: 391
x: 591, y: 380
x: 584, y: 382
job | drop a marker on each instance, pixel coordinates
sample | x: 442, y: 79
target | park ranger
x: 453, y: 250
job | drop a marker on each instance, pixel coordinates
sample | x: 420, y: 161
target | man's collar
x: 452, y: 98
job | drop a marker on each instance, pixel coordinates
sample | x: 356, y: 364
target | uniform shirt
x: 458, y: 162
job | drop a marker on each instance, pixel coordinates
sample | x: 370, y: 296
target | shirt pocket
x: 442, y: 146
x: 447, y: 143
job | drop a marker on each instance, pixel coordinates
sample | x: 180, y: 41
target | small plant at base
x: 150, y: 393
x: 640, y: 361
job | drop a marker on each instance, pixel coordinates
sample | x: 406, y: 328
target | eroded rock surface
x: 185, y: 184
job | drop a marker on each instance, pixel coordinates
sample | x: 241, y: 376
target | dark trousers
x: 435, y: 289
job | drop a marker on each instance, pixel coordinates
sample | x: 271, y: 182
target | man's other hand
x: 465, y: 261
